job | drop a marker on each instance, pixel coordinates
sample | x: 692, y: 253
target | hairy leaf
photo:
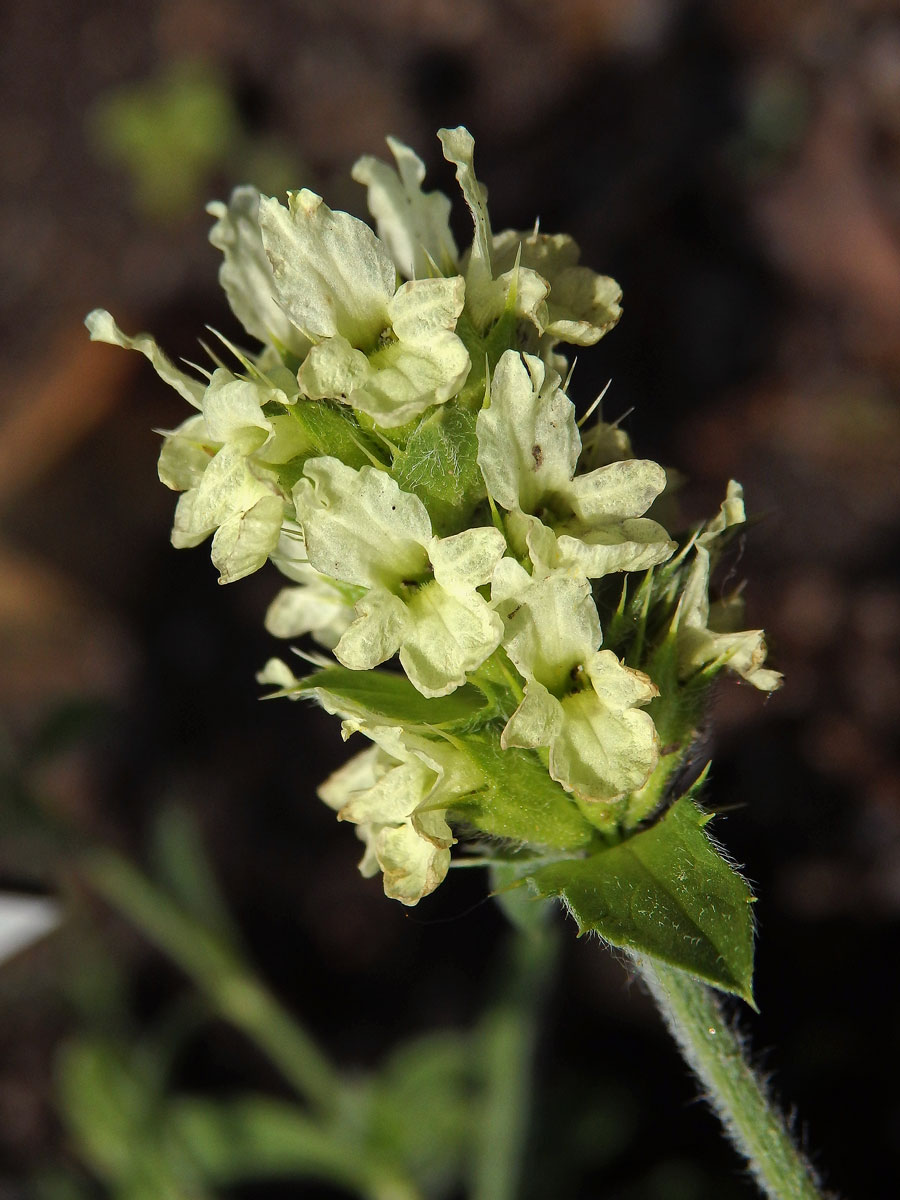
x: 666, y: 892
x: 387, y: 698
x: 439, y: 465
x: 520, y: 801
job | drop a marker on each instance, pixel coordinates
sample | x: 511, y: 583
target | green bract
x: 401, y: 446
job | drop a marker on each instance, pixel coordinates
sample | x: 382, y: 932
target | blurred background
x: 737, y: 168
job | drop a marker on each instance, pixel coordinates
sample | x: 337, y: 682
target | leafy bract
x: 519, y: 801
x: 332, y: 429
x: 390, y: 699
x: 667, y: 892
x: 439, y: 465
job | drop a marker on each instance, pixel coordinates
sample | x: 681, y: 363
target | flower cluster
x: 404, y: 449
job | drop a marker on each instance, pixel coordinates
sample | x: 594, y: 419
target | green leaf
x: 520, y: 802
x: 439, y: 465
x: 254, y: 1137
x: 183, y: 868
x: 667, y: 892
x: 105, y: 1105
x: 111, y: 1106
x: 421, y: 1109
x: 391, y: 699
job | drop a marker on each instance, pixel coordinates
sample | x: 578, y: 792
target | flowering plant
x: 404, y: 449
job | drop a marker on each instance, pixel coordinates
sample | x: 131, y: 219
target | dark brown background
x: 737, y: 168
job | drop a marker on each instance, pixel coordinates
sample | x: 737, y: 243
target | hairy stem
x: 715, y: 1054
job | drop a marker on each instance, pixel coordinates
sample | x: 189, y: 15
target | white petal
x: 333, y: 370
x: 551, y: 629
x: 375, y: 636
x: 448, y: 635
x: 246, y: 273
x: 546, y: 253
x: 103, y: 328
x: 693, y: 607
x: 536, y: 722
x: 459, y: 148
x: 528, y: 439
x: 409, y: 377
x: 278, y: 674
x: 233, y: 410
x: 358, y: 525
x: 316, y: 608
x: 423, y: 306
x: 699, y: 647
x: 582, y: 306
x: 187, y: 529
x: 618, y: 686
x: 332, y: 273
x: 731, y: 512
x: 413, y: 866
x: 413, y: 224
x: 630, y: 546
x: 520, y: 292
x: 606, y: 747
x: 360, y: 773
x: 242, y: 544
x: 466, y: 560
x: 510, y: 579
x: 185, y: 454
x: 393, y: 797
x: 617, y: 491
x: 228, y: 486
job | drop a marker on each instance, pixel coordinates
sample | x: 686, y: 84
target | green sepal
x: 666, y: 892
x: 439, y: 465
x: 390, y: 699
x: 334, y: 431
x: 520, y: 801
x: 485, y: 351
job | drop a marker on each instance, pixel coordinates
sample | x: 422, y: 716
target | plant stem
x: 221, y: 975
x: 509, y: 1033
x: 714, y: 1052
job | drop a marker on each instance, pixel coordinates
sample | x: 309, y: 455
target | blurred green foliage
x: 176, y: 133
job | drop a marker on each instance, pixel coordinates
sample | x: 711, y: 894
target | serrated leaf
x: 667, y: 892
x: 391, y: 699
x: 520, y: 801
x: 439, y: 465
